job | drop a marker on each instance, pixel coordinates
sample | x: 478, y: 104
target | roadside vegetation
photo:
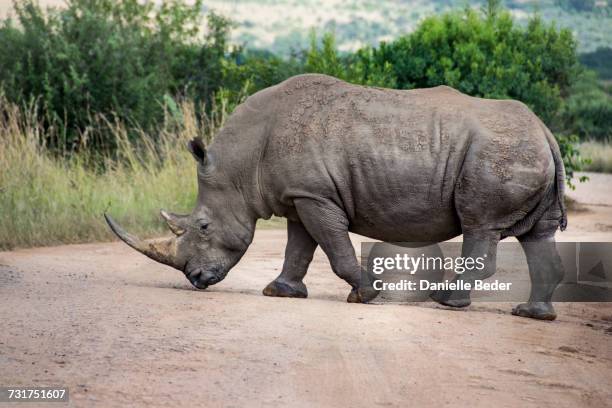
x: 97, y: 99
x: 600, y: 156
x: 46, y: 199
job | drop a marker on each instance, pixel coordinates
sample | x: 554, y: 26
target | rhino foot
x: 451, y: 298
x: 362, y: 295
x: 535, y: 310
x: 283, y: 289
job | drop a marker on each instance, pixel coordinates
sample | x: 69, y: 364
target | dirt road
x: 121, y: 330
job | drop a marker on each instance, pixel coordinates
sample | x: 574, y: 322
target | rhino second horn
x: 174, y: 222
x: 160, y: 251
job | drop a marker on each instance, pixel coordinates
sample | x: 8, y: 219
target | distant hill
x: 283, y: 25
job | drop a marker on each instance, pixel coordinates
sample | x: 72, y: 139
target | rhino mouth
x: 196, y: 284
x: 202, y: 279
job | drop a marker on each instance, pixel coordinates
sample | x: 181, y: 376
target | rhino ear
x: 198, y: 150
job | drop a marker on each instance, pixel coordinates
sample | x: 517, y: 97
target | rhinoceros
x: 421, y: 165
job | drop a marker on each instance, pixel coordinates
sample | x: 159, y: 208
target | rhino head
x: 208, y: 242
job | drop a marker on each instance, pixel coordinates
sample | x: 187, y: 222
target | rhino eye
x: 204, y: 227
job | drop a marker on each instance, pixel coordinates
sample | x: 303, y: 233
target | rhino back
x: 391, y: 159
x: 385, y: 157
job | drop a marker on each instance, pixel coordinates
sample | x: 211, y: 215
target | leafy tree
x: 490, y: 56
x: 325, y: 59
x: 588, y: 110
x: 361, y: 67
x: 257, y: 70
x: 116, y: 58
x: 599, y: 61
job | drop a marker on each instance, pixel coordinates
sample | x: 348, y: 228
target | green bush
x: 255, y: 69
x: 116, y: 58
x: 587, y: 112
x: 362, y: 67
x: 488, y: 55
x: 599, y: 61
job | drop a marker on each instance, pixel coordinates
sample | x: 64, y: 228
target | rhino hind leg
x: 474, y: 245
x: 298, y: 255
x: 535, y: 310
x: 545, y: 270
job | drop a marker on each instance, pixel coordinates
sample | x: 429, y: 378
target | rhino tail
x: 560, y: 176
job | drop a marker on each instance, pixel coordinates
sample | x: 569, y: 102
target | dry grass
x: 48, y: 200
x: 600, y: 155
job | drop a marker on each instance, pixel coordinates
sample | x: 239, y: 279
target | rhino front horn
x: 160, y: 251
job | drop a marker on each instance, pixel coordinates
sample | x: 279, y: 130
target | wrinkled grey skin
x: 422, y: 165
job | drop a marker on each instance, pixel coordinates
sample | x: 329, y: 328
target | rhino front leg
x: 298, y: 255
x: 328, y: 225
